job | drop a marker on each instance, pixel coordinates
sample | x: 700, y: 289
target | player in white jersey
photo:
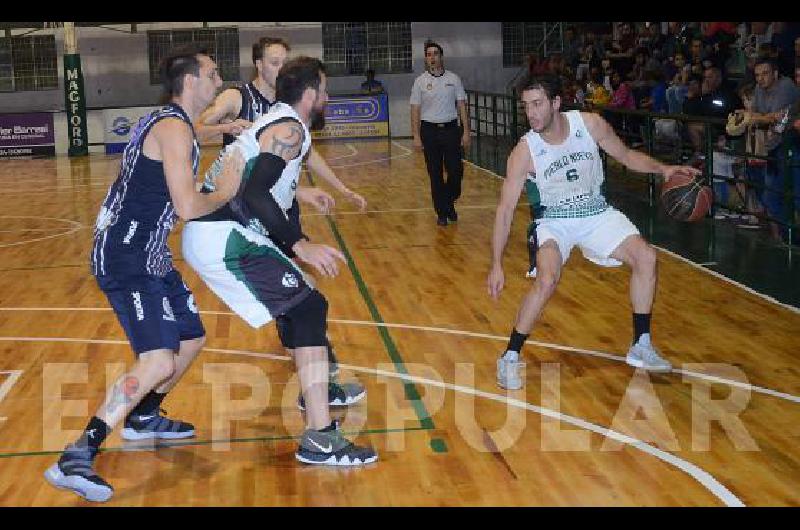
x: 561, y: 153
x: 235, y: 110
x: 240, y: 252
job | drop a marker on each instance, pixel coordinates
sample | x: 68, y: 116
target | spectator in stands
x: 371, y: 86
x: 676, y: 93
x: 774, y: 97
x: 672, y: 44
x: 716, y: 101
x: 751, y: 182
x: 783, y: 37
x: 657, y: 100
x: 691, y: 104
x: 622, y: 97
x: 596, y: 94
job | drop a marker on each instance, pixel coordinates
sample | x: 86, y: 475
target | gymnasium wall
x: 116, y: 72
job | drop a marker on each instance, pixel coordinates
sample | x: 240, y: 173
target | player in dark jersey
x: 133, y: 266
x: 235, y: 110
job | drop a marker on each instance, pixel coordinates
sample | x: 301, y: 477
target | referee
x: 435, y: 96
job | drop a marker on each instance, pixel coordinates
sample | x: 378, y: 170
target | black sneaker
x: 74, y: 472
x: 441, y: 221
x: 332, y: 449
x: 155, y: 425
x: 453, y: 215
x: 340, y: 395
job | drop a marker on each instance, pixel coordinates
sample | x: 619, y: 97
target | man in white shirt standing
x: 437, y: 101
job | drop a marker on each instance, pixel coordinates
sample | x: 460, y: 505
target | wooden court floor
x: 410, y: 318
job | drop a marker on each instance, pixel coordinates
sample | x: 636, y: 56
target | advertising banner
x: 30, y: 134
x: 118, y: 124
x: 356, y: 117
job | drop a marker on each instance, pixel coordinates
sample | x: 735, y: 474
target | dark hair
x: 551, y: 84
x: 766, y: 60
x: 264, y: 42
x: 176, y: 64
x: 296, y: 76
x: 430, y: 43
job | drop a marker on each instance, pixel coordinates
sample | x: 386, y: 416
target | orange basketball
x: 685, y: 197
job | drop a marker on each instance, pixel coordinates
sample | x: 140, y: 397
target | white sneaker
x: 643, y: 355
x: 509, y: 374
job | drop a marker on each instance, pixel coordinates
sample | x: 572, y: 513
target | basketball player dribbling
x: 560, y: 155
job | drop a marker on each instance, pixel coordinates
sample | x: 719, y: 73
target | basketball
x: 685, y: 197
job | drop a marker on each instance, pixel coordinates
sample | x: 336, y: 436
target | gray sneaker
x: 340, y: 395
x: 332, y: 449
x: 508, y: 374
x: 643, y: 355
x: 74, y: 472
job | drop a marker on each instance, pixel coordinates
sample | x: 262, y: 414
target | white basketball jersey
x: 568, y: 176
x: 284, y: 189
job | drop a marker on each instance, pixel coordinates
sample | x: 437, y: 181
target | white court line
x: 725, y: 278
x: 703, y: 477
x: 692, y: 263
x: 353, y: 152
x: 570, y: 349
x: 5, y: 388
x: 404, y: 155
x: 76, y: 226
x: 405, y: 210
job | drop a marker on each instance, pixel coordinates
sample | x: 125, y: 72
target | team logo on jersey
x: 131, y: 231
x: 542, y: 152
x: 289, y: 280
x: 137, y: 304
x: 578, y: 133
x: 429, y: 86
x: 168, y: 315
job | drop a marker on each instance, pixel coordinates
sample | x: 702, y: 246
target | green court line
x: 411, y: 392
x: 164, y: 445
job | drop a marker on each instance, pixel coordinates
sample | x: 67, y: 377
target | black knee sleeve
x: 306, y: 324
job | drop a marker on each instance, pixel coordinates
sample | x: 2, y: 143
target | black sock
x: 95, y: 433
x: 149, y: 404
x: 516, y: 341
x: 331, y: 354
x: 329, y: 428
x: 641, y: 325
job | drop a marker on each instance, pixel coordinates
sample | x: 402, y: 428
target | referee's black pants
x: 441, y: 144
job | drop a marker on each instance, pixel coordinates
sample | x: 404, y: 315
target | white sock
x: 511, y: 355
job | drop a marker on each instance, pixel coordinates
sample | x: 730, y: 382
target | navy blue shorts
x: 156, y: 313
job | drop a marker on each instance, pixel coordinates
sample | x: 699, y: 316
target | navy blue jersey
x: 254, y: 105
x: 137, y: 215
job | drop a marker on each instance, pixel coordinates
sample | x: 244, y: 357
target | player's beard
x: 317, y: 119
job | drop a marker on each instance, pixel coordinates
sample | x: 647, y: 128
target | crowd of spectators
x: 745, y: 72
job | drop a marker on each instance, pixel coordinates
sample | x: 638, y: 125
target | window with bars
x: 351, y: 48
x: 521, y: 38
x: 28, y: 63
x: 222, y: 44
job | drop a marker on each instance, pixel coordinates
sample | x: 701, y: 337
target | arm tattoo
x: 289, y: 144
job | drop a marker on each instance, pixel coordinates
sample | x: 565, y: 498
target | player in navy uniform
x: 235, y: 110
x: 133, y: 266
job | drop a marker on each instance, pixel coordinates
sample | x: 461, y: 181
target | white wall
x: 116, y: 71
